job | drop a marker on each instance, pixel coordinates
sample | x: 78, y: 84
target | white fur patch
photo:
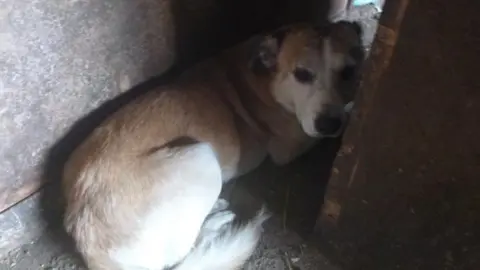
x: 229, y: 248
x: 307, y: 111
x: 304, y: 100
x: 349, y: 107
x: 189, y: 184
x: 307, y: 100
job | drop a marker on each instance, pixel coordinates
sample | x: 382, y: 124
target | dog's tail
x: 229, y: 250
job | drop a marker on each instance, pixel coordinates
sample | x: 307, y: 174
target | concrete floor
x: 280, y: 248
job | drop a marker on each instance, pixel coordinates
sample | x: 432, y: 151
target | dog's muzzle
x: 329, y: 126
x: 331, y: 122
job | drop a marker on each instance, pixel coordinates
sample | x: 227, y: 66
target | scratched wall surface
x: 60, y: 59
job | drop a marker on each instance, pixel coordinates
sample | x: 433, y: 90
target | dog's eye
x: 303, y: 75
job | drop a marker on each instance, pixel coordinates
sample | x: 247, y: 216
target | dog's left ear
x: 346, y: 44
x: 264, y: 58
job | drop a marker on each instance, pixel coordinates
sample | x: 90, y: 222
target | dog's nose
x: 328, y: 125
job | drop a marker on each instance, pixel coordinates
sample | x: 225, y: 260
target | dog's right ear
x: 346, y: 46
x: 264, y: 58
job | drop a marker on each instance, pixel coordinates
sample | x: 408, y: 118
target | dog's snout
x: 328, y: 125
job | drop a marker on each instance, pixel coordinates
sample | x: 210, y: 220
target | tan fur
x: 108, y: 181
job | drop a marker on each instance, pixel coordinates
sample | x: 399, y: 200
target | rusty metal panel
x: 404, y: 188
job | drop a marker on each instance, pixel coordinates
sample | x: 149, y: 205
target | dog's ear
x: 264, y: 57
x: 347, y: 55
x: 346, y: 44
x: 348, y: 30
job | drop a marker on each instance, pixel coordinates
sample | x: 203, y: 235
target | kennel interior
x: 397, y: 192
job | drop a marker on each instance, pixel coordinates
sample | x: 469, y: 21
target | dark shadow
x: 202, y: 30
x: 295, y: 192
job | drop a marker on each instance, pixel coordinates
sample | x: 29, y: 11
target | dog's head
x: 304, y: 64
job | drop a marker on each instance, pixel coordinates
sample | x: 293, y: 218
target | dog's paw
x: 217, y: 220
x: 220, y: 205
x: 214, y: 226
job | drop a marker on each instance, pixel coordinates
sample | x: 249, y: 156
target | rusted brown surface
x: 378, y: 62
x: 404, y: 189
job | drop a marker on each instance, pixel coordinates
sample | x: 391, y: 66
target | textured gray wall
x: 58, y: 60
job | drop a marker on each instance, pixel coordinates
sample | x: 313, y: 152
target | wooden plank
x: 378, y: 62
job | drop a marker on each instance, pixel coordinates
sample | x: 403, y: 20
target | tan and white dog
x: 142, y: 190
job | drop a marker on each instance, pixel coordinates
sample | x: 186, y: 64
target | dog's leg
x: 216, y: 222
x: 189, y: 182
x: 220, y: 205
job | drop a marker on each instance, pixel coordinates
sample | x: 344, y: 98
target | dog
x: 142, y: 191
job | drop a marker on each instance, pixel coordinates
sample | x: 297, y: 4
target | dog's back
x: 139, y: 188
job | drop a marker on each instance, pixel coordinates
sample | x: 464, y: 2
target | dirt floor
x: 294, y: 193
x: 279, y: 248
